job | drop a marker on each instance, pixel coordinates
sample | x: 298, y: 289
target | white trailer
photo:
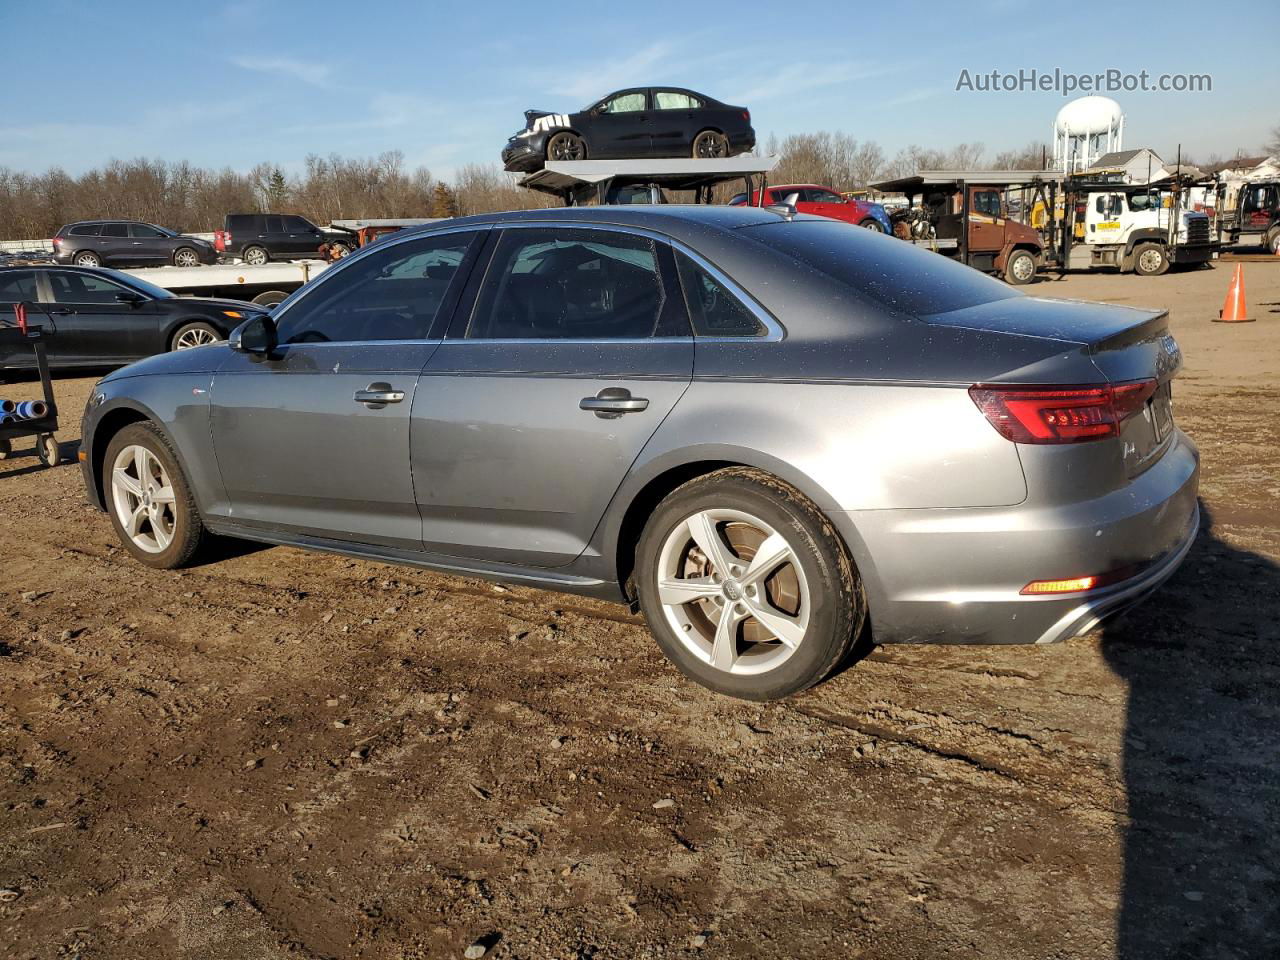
x: 265, y: 284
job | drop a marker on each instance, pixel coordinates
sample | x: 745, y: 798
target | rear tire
x: 186, y: 257
x: 1150, y: 260
x: 758, y: 632
x: 87, y: 258
x: 255, y: 256
x: 1020, y: 268
x: 145, y: 487
x: 710, y: 144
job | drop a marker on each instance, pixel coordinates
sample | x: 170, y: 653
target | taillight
x: 746, y: 115
x: 1039, y: 414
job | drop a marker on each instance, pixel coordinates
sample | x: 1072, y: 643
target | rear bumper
x: 955, y: 576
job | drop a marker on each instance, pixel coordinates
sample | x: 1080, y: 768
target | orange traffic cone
x: 1233, y: 310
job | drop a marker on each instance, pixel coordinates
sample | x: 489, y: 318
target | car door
x: 304, y: 236
x: 675, y: 122
x: 17, y: 286
x: 621, y: 126
x: 528, y: 417
x: 150, y: 246
x: 275, y: 238
x: 114, y: 245
x: 315, y: 439
x: 91, y: 324
x: 828, y: 203
x: 986, y: 223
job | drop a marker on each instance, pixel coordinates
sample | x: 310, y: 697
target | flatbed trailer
x: 580, y: 182
x: 265, y: 284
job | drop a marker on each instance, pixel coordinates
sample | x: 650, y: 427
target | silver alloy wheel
x: 1151, y: 259
x: 872, y: 225
x: 257, y: 257
x: 87, y: 260
x: 733, y: 591
x: 186, y: 258
x: 1024, y: 267
x: 143, y: 499
x: 195, y: 337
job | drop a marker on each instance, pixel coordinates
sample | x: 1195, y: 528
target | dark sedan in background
x: 106, y: 318
x: 128, y: 243
x: 636, y: 123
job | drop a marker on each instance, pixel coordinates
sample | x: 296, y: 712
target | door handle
x: 378, y: 395
x: 60, y: 311
x: 612, y: 402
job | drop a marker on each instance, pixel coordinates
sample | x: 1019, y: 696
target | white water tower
x: 1084, y: 130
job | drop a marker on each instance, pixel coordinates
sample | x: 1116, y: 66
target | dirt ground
x: 281, y: 754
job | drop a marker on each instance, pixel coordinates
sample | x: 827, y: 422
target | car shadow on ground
x: 1201, y: 759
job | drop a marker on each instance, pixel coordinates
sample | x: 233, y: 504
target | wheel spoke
x: 770, y: 555
x: 134, y: 523
x: 705, y: 534
x: 163, y: 495
x: 724, y: 649
x: 785, y: 628
x: 676, y: 592
x: 131, y: 485
x: 163, y: 535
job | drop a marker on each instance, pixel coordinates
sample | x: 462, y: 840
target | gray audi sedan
x: 770, y: 432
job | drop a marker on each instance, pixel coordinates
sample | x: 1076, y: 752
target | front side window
x: 274, y: 225
x: 714, y: 310
x: 16, y: 285
x: 553, y: 284
x: 83, y: 288
x: 624, y: 103
x: 824, y: 196
x: 674, y: 100
x: 298, y: 225
x: 988, y: 202
x: 115, y: 230
x: 394, y: 293
x: 144, y: 232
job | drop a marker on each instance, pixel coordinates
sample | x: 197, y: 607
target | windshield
x: 142, y: 286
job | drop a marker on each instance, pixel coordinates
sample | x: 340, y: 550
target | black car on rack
x: 258, y: 238
x: 633, y: 124
x: 101, y: 317
x: 128, y: 243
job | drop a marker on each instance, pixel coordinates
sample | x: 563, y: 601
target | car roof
x: 676, y: 220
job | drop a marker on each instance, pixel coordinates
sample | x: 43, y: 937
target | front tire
x: 1150, y: 260
x: 195, y: 334
x: 871, y: 223
x: 1021, y: 268
x: 186, y: 257
x: 87, y: 258
x: 149, y: 500
x: 746, y: 586
x: 710, y: 144
x: 255, y: 256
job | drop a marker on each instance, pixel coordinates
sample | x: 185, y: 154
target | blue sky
x: 446, y: 83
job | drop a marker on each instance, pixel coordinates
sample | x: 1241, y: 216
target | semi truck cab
x: 1137, y: 228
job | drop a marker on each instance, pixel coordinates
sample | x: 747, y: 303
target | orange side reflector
x: 82, y: 456
x: 1074, y: 585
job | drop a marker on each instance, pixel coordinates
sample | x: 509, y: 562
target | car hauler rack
x: 42, y: 420
x: 581, y: 182
x: 264, y: 284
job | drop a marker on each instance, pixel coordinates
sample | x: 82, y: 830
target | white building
x: 1129, y: 166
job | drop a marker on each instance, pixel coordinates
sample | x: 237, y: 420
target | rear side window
x: 85, y: 230
x: 714, y: 310
x: 555, y: 284
x: 115, y: 230
x: 672, y: 100
x: 274, y: 225
x: 392, y: 294
x: 16, y: 285
x: 903, y: 277
x: 241, y: 221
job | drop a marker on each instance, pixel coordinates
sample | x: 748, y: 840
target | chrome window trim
x: 774, y: 331
x: 336, y: 269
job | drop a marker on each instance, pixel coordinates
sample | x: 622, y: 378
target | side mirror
x: 256, y: 336
x: 130, y: 297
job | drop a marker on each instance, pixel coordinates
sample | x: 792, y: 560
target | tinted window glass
x: 625, y: 103
x: 393, y: 294
x: 241, y: 221
x: 141, y: 230
x: 82, y: 288
x: 115, y: 230
x: 274, y: 225
x: 297, y: 225
x: 738, y: 200
x: 16, y: 285
x: 86, y: 230
x: 671, y: 100
x: 823, y: 196
x: 901, y: 276
x: 555, y: 284
x: 714, y: 310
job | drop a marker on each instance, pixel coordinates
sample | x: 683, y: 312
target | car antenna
x: 787, y: 208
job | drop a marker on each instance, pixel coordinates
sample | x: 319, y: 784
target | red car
x: 824, y: 202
